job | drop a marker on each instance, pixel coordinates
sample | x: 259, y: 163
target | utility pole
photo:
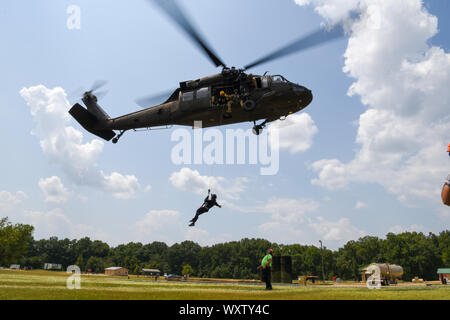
x: 321, y: 254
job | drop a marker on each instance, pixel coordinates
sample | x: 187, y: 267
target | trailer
x: 389, y: 273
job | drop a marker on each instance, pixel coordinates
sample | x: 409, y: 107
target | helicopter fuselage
x: 256, y: 98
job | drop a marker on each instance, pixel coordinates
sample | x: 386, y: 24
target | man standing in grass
x: 266, y: 266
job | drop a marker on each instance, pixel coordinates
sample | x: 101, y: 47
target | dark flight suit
x: 207, y: 204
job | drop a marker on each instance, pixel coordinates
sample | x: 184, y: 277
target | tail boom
x: 90, y: 122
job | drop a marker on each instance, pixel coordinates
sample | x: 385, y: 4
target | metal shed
x: 116, y: 271
x: 151, y: 272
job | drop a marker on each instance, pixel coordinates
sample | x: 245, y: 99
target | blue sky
x: 351, y: 181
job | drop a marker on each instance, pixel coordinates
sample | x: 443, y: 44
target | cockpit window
x: 279, y: 79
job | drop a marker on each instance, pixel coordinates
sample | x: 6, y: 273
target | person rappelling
x: 209, y: 202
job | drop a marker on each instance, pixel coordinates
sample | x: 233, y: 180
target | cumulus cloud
x: 190, y: 180
x: 158, y: 225
x: 205, y: 238
x: 412, y: 228
x: 166, y: 225
x: 296, y: 221
x: 55, y: 223
x: 339, y: 231
x: 403, y: 81
x: 119, y: 185
x: 333, y: 10
x: 360, y: 205
x: 64, y: 145
x: 295, y: 133
x: 8, y: 199
x: 53, y: 189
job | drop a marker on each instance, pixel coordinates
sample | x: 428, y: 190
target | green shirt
x: 266, y: 259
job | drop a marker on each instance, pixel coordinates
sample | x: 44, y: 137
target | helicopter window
x: 265, y: 82
x: 202, y: 93
x: 278, y: 79
x: 188, y: 96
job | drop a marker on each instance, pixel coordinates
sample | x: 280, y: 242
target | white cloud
x: 190, y: 180
x: 339, y: 231
x: 55, y: 223
x: 295, y: 221
x: 412, y: 228
x: 53, y: 189
x: 295, y: 133
x: 404, y: 83
x: 166, y: 225
x: 64, y: 146
x: 205, y: 238
x: 360, y: 205
x: 120, y: 186
x: 332, y: 10
x: 158, y: 225
x: 8, y: 200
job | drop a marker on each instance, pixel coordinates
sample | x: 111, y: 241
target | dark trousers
x: 267, y: 276
x: 200, y: 211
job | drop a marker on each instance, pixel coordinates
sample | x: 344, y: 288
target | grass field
x: 46, y: 285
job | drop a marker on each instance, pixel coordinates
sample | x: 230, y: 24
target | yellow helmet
x: 222, y: 93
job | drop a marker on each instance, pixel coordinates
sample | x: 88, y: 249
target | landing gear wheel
x: 258, y: 128
x: 116, y: 139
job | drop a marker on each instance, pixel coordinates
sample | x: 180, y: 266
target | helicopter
x: 229, y: 97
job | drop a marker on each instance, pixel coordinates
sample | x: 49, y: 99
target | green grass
x: 39, y: 284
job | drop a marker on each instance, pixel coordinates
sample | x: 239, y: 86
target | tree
x: 95, y: 264
x: 444, y: 247
x: 80, y: 262
x: 14, y: 241
x: 187, y: 270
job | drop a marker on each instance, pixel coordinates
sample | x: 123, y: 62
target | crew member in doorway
x: 235, y: 99
x: 210, y: 201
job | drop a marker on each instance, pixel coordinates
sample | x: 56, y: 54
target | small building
x: 15, y: 267
x: 52, y: 266
x: 444, y: 275
x: 151, y: 272
x: 116, y: 271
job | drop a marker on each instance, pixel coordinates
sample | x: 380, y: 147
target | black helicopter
x: 231, y: 96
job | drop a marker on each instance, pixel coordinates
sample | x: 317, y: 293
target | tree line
x: 419, y: 255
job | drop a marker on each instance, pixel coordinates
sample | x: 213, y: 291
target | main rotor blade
x: 173, y: 10
x: 313, y: 39
x: 154, y: 99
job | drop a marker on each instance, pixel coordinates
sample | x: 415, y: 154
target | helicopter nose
x: 303, y: 93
